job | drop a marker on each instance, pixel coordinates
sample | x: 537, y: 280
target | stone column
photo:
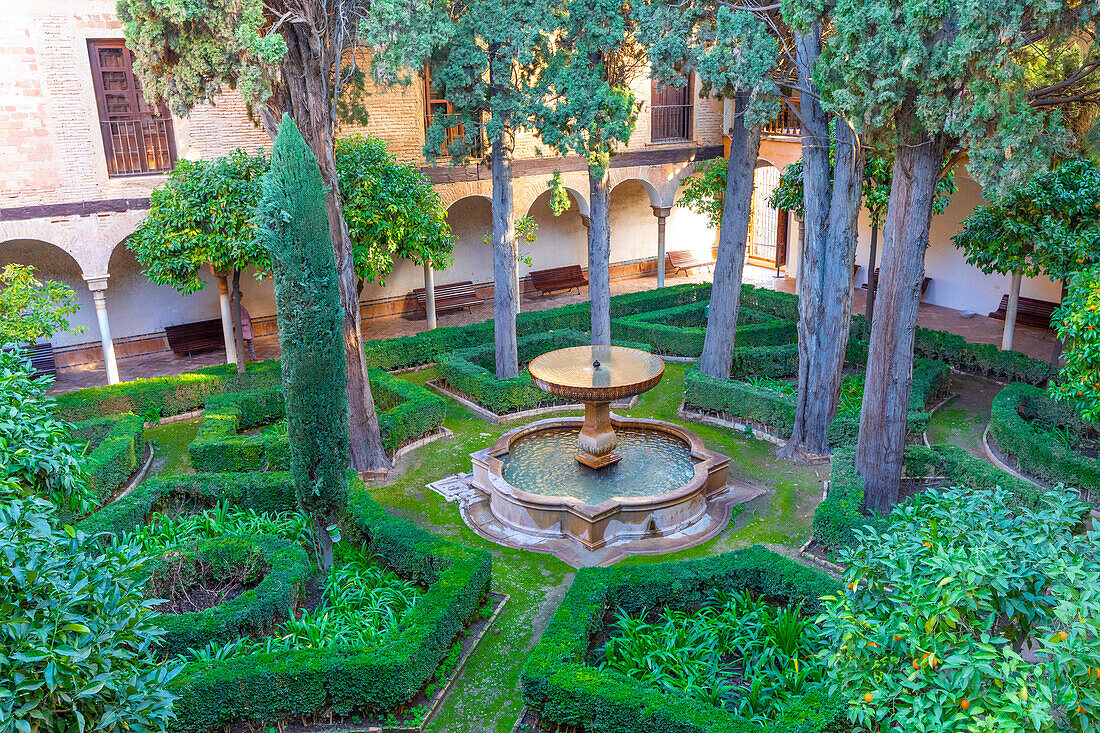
x: 98, y: 286
x: 227, y: 318
x: 429, y: 294
x: 661, y: 212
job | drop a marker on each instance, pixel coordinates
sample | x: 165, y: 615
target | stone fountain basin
x: 613, y: 520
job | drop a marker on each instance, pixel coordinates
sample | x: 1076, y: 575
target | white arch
x: 655, y: 198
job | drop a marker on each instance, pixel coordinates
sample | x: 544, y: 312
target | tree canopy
x: 1078, y: 325
x: 31, y: 309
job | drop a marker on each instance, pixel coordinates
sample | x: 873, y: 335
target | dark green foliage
x: 775, y: 411
x: 562, y: 687
x: 164, y: 396
x: 115, y: 447
x: 406, y: 412
x: 281, y: 566
x: 836, y: 518
x: 269, y: 688
x: 1038, y: 452
x: 295, y: 230
x: 264, y: 492
x: 423, y: 348
x: 680, y: 331
x: 470, y: 371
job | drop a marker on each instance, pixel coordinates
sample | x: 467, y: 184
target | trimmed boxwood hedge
x: 164, y: 396
x: 306, y: 682
x: 1039, y: 454
x: 680, y: 331
x: 285, y: 566
x: 404, y: 352
x: 777, y: 411
x: 470, y: 371
x: 405, y: 412
x: 562, y: 688
x: 837, y: 518
x: 115, y: 447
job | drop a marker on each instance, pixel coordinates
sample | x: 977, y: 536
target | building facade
x: 81, y: 151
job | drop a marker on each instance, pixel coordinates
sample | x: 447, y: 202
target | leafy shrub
x: 76, y: 635
x: 840, y: 516
x: 37, y: 452
x: 563, y: 688
x: 736, y: 652
x: 284, y: 567
x: 680, y: 331
x: 164, y: 396
x: 406, y: 412
x: 939, y: 605
x: 271, y: 687
x: 470, y: 371
x: 115, y: 445
x: 1038, y: 452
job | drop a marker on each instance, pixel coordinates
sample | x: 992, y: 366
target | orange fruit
x: 964, y: 704
x: 927, y: 544
x: 897, y: 637
x: 868, y: 697
x: 916, y: 664
x: 852, y: 586
x: 872, y: 644
x: 1080, y: 710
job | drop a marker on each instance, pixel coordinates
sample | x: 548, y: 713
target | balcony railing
x: 135, y: 147
x: 785, y: 124
x: 671, y: 122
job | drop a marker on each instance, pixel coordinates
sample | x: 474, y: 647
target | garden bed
x: 407, y: 413
x: 1045, y: 440
x: 303, y: 683
x: 115, y: 452
x: 562, y: 686
x: 680, y: 331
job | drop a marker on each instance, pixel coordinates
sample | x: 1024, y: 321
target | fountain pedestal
x: 597, y: 439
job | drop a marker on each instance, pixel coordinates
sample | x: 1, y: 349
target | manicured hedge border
x: 404, y: 352
x: 255, y: 611
x: 777, y: 411
x: 680, y: 331
x: 117, y: 443
x: 163, y: 396
x: 271, y: 688
x: 463, y: 370
x: 559, y: 684
x: 1040, y: 455
x: 836, y: 518
x: 406, y: 412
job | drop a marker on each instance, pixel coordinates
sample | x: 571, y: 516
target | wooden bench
x: 41, y: 356
x: 186, y: 339
x: 452, y: 297
x: 1029, y: 312
x: 559, y: 278
x: 685, y: 259
x: 923, y: 285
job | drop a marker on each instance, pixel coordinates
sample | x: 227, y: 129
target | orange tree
x: 969, y: 614
x: 1078, y: 323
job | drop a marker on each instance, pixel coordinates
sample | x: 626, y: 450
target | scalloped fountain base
x: 606, y: 514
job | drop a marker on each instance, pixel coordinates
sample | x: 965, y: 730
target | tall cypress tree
x: 294, y: 228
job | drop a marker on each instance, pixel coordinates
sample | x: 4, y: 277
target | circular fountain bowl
x: 660, y: 487
x: 596, y: 373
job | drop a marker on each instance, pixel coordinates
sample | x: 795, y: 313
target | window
x: 137, y: 138
x: 435, y: 105
x: 671, y: 109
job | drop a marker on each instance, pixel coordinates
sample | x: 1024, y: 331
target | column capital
x: 586, y: 220
x: 661, y: 212
x: 97, y: 283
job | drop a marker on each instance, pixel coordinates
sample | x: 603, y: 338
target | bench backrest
x: 557, y: 274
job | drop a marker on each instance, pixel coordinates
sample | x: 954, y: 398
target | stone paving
x: 980, y: 329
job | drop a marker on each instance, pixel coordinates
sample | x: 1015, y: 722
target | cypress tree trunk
x: 599, y: 254
x: 307, y: 97
x: 504, y: 261
x: 296, y: 232
x: 882, y: 426
x: 733, y: 234
x: 238, y: 330
x: 824, y: 272
x: 871, y: 284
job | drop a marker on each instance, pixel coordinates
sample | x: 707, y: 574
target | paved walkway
x: 1033, y: 342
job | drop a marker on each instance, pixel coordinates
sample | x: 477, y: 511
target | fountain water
x: 594, y: 489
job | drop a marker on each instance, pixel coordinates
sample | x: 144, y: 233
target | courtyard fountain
x: 596, y: 488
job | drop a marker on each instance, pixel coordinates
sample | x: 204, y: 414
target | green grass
x: 486, y: 697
